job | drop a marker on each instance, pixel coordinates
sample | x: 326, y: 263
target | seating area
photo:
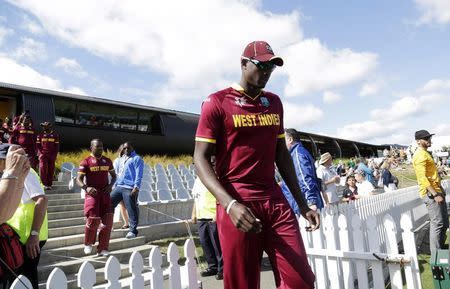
x: 159, y: 184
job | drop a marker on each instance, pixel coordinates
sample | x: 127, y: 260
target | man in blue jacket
x: 129, y: 176
x: 305, y: 171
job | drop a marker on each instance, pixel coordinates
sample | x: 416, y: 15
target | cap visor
x: 278, y: 61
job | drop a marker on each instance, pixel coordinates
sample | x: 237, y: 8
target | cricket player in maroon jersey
x: 93, y: 178
x: 244, y: 125
x: 24, y: 135
x: 47, y: 143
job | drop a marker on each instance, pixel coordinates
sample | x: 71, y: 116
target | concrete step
x: 59, y: 190
x: 64, y: 208
x: 52, y: 197
x: 52, y: 224
x: 70, y: 240
x: 65, y: 215
x: 73, y: 230
x: 52, y: 256
x: 65, y: 202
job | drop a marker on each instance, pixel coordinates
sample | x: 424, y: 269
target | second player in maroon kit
x: 24, y: 135
x: 244, y: 126
x: 93, y: 178
x: 47, y: 143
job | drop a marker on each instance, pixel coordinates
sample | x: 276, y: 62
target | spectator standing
x: 48, y: 147
x: 7, y: 130
x: 131, y: 169
x: 93, y: 179
x: 350, y: 192
x: 24, y: 135
x: 30, y: 223
x: 305, y: 171
x: 329, y: 177
x: 430, y: 190
x: 204, y: 213
x: 368, y: 173
x: 243, y: 125
x: 365, y: 188
x: 389, y: 180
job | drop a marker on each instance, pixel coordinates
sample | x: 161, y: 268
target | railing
x: 179, y: 276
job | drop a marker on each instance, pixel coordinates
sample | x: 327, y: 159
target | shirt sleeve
x: 281, y: 116
x: 111, y: 166
x: 139, y: 173
x: 420, y: 164
x: 32, y: 186
x: 210, y: 121
x: 83, y: 168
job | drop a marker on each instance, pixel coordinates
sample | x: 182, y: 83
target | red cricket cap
x: 261, y: 51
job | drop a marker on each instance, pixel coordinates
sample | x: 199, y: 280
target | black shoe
x: 208, y: 272
x: 219, y: 276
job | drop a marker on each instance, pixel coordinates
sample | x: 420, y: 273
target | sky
x: 370, y: 71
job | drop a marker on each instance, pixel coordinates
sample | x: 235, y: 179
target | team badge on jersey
x: 240, y: 101
x: 265, y: 101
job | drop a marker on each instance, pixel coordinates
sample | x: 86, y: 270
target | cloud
x: 330, y: 97
x: 441, y: 129
x: 32, y: 26
x: 13, y: 72
x: 369, y: 89
x: 30, y: 50
x: 368, y: 130
x: 195, y: 58
x: 399, y: 109
x: 4, y: 32
x: 436, y: 85
x: 313, y: 67
x: 71, y: 66
x: 298, y: 116
x: 433, y: 11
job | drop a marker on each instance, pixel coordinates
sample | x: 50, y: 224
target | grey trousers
x: 438, y: 223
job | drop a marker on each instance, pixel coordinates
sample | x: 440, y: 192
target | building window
x: 98, y: 115
x: 127, y: 118
x: 64, y: 110
x: 144, y: 121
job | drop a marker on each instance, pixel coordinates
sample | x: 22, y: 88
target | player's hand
x: 313, y: 207
x: 91, y: 191
x: 108, y: 188
x: 312, y: 217
x: 32, y: 246
x: 243, y: 219
x: 134, y: 192
x: 439, y: 199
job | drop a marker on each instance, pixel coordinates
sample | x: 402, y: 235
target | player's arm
x: 240, y: 215
x: 286, y: 168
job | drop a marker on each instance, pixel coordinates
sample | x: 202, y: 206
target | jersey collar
x: 240, y: 89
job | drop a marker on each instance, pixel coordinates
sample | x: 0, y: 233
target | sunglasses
x: 266, y: 66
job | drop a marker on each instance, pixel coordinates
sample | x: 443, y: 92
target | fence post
x: 112, y: 273
x: 190, y: 280
x: 392, y: 248
x: 412, y: 273
x: 136, y: 265
x: 156, y: 276
x: 318, y: 238
x: 358, y: 244
x: 344, y: 240
x: 332, y: 262
x: 86, y: 276
x: 374, y: 246
x: 21, y: 282
x: 173, y: 256
x: 57, y: 280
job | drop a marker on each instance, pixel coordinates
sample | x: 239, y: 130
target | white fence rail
x: 180, y: 277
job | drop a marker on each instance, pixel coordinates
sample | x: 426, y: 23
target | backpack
x: 11, y: 253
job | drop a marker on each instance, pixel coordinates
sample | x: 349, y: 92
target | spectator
x: 252, y: 214
x: 204, y: 212
x: 362, y: 166
x: 131, y: 169
x: 48, y: 147
x: 123, y: 210
x: 365, y: 188
x: 330, y: 179
x: 350, y: 192
x: 24, y: 135
x: 430, y: 190
x: 30, y: 223
x: 388, y: 179
x: 93, y: 179
x: 305, y: 171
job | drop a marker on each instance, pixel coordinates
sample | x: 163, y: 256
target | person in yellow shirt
x: 430, y: 190
x: 204, y: 212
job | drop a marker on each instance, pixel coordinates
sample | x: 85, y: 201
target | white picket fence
x: 180, y: 277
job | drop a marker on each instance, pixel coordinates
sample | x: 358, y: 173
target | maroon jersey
x: 25, y: 137
x: 96, y: 171
x: 48, y: 143
x: 246, y: 131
